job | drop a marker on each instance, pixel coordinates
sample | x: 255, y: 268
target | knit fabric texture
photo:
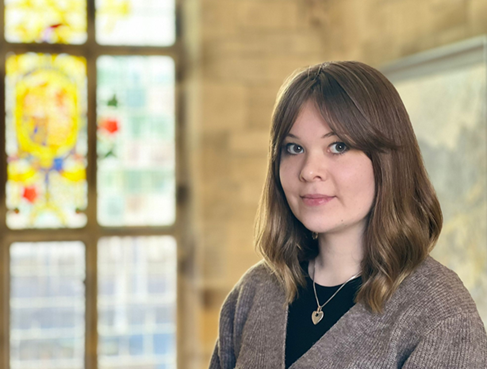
x: 431, y: 322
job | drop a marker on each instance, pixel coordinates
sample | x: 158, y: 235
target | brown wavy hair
x: 364, y: 109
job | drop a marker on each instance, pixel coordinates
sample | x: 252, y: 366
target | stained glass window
x: 137, y: 302
x: 136, y: 166
x: 45, y: 21
x: 54, y: 127
x: 47, y: 305
x: 46, y: 141
x: 135, y: 22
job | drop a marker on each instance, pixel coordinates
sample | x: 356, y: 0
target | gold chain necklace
x: 318, y: 314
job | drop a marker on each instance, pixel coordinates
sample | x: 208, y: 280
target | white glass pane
x: 135, y: 22
x: 47, y: 305
x: 136, y: 144
x: 137, y: 303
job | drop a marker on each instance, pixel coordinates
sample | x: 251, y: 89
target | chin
x: 327, y: 225
x: 320, y: 227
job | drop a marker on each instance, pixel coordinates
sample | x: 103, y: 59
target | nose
x: 314, y: 168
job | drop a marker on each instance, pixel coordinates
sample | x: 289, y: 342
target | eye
x: 293, y: 149
x: 338, y: 148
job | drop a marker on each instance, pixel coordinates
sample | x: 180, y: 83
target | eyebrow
x: 324, y: 136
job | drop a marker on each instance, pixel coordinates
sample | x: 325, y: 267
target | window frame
x: 92, y: 231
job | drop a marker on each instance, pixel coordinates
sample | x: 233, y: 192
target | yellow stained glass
x: 52, y: 21
x: 46, y: 141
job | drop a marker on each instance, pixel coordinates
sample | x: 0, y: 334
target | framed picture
x: 444, y: 91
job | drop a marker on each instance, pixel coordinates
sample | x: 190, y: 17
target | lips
x: 316, y: 199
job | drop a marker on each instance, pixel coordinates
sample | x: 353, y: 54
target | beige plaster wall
x: 238, y: 52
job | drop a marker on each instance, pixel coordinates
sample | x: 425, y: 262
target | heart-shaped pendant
x: 316, y: 316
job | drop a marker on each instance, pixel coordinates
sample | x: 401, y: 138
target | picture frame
x: 444, y: 91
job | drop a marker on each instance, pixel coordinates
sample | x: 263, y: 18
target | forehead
x: 309, y: 122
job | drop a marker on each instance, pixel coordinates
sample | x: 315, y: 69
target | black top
x: 301, y: 332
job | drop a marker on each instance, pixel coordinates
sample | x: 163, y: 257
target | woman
x: 345, y: 225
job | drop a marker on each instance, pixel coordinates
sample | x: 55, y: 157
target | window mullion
x: 91, y: 342
x: 4, y: 305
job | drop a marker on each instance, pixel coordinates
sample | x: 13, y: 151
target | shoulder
x: 257, y: 290
x: 258, y: 277
x: 439, y: 320
x: 257, y: 273
x: 434, y: 292
x: 258, y: 286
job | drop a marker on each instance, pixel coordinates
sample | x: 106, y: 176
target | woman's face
x: 329, y: 187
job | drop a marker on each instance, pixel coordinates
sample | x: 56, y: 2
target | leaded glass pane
x: 46, y: 141
x: 136, y: 165
x: 47, y: 305
x: 137, y: 302
x: 135, y: 22
x: 49, y: 21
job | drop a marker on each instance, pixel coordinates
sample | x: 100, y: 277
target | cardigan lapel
x: 269, y: 348
x: 262, y: 342
x: 353, y: 327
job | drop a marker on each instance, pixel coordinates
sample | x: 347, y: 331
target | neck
x: 339, y: 258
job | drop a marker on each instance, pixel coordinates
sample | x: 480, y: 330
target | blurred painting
x: 444, y: 91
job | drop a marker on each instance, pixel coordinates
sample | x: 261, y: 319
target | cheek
x: 369, y: 179
x: 359, y: 182
x: 285, y: 175
x: 367, y: 187
x: 288, y: 184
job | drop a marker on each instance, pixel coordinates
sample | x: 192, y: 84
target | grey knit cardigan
x: 431, y: 321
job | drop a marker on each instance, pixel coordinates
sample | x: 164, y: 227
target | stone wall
x: 238, y: 52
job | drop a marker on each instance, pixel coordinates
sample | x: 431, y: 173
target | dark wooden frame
x: 92, y: 232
